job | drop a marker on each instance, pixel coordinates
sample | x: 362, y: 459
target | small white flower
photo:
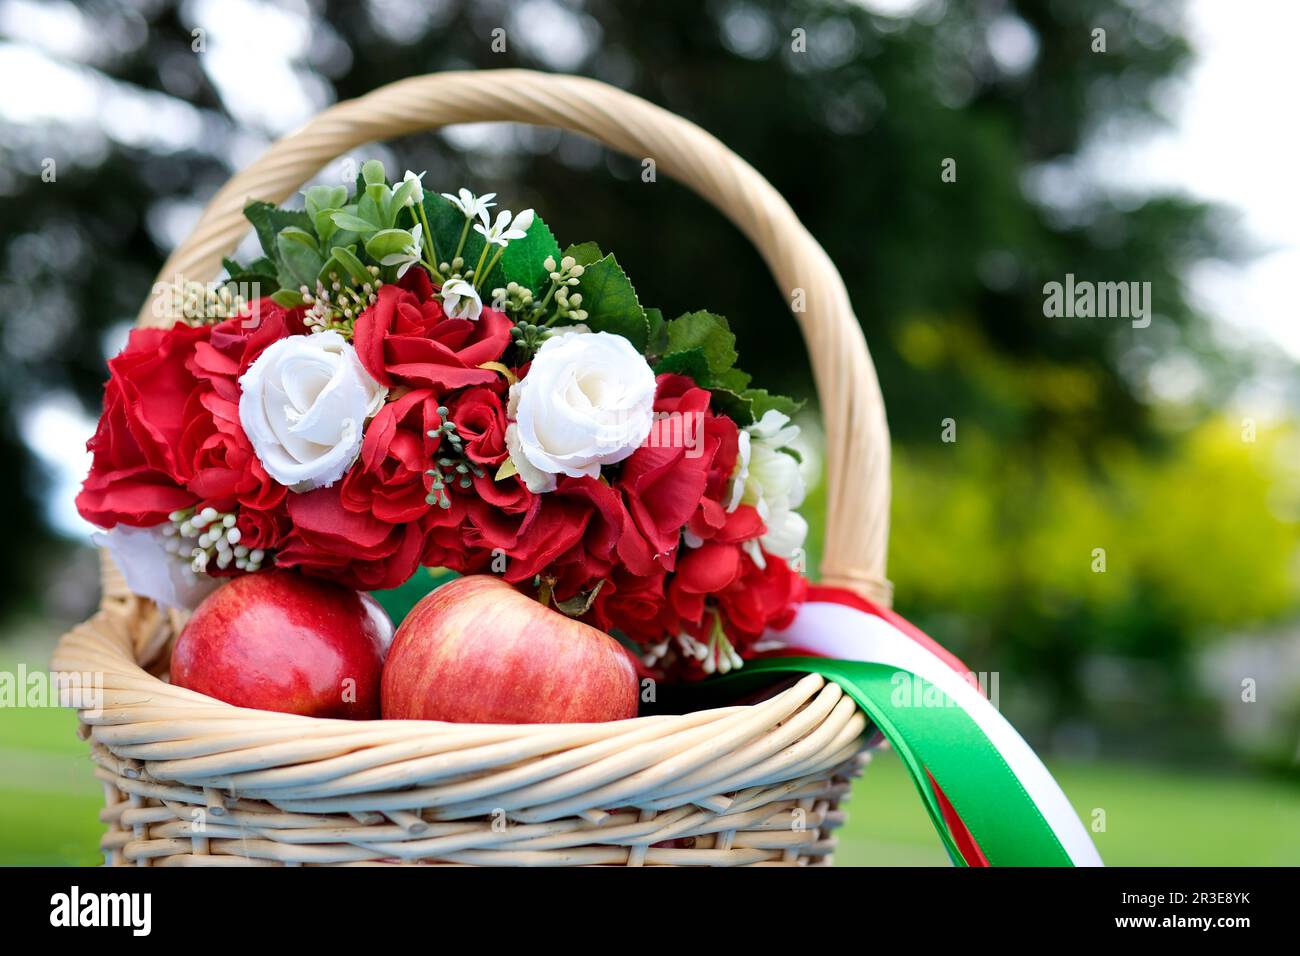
x: 769, y: 479
x: 504, y: 230
x: 303, y: 405
x: 471, y: 206
x: 587, y: 401
x: 460, y: 300
x: 152, y: 570
x: 416, y: 194
x: 409, y: 255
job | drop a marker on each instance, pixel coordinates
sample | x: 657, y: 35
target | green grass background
x: 49, y: 801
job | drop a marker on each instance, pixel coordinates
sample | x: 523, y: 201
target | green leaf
x: 388, y: 242
x: 299, y: 255
x: 372, y: 173
x: 404, y: 192
x: 657, y: 332
x: 287, y: 298
x: 762, y: 401
x: 346, y: 257
x: 736, y: 407
x: 261, y: 268
x: 611, y: 303
x: 354, y: 223
x: 269, y: 221
x: 254, y: 280
x: 706, y: 331
x: 523, y: 260
x: 370, y: 209
x: 325, y: 227
x: 584, y: 253
x: 319, y: 199
x: 690, y: 363
x: 733, y: 379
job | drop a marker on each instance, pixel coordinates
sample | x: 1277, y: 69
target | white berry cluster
x: 210, y: 537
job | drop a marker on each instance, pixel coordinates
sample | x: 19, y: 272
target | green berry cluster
x: 453, y: 468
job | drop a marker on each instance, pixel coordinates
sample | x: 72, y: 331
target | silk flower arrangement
x: 422, y: 383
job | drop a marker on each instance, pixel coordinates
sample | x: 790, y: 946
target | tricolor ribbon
x: 991, y: 799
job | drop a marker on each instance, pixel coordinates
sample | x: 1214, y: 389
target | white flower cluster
x: 461, y: 298
x: 768, y: 478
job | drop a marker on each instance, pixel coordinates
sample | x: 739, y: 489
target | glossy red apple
x: 277, y: 640
x: 478, y: 651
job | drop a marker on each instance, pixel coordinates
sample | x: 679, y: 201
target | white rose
x: 304, y: 404
x: 770, y: 480
x: 153, y: 571
x: 587, y: 400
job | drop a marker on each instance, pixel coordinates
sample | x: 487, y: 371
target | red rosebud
x: 388, y: 479
x: 480, y: 418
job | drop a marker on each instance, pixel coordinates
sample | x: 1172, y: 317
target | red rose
x: 496, y: 511
x: 406, y: 338
x: 389, y: 477
x: 480, y: 418
x: 550, y: 529
x: 604, y: 521
x: 263, y: 529
x: 574, y: 534
x: 445, y: 539
x: 634, y: 606
x: 154, y: 384
x: 702, y: 573
x: 761, y: 598
x: 664, y: 480
x: 236, y: 343
x: 355, y: 549
x: 137, y: 470
x: 220, y: 465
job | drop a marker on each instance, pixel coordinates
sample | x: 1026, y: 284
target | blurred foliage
x: 1131, y: 560
x: 1061, y: 446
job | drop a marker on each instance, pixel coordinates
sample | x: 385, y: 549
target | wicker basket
x: 190, y: 780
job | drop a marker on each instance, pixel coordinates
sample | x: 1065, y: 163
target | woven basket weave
x: 190, y: 780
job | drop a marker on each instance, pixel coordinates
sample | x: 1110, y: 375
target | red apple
x: 277, y: 640
x: 478, y: 651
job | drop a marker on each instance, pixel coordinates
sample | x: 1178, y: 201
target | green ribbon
x: 943, y: 739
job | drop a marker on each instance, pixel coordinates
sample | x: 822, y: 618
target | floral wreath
x: 350, y: 406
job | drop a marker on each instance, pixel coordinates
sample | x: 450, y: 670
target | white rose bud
x: 304, y: 404
x: 587, y: 401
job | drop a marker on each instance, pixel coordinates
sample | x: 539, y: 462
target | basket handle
x: 857, y: 436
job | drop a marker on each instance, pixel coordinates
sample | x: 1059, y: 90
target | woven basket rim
x: 165, y: 753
